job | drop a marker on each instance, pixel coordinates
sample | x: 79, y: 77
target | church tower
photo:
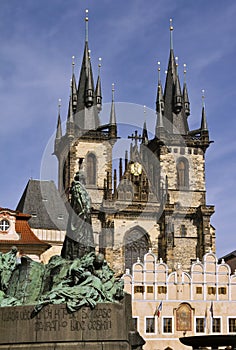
x: 160, y: 200
x: 87, y: 145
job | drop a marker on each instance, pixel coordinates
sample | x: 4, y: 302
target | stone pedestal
x: 107, y: 327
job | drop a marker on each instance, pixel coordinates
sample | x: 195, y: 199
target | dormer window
x: 4, y: 225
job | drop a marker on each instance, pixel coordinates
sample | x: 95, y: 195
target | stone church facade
x: 156, y: 199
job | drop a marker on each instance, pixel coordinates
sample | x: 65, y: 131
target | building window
x: 198, y: 290
x: 182, y: 174
x: 162, y: 289
x: 4, y: 225
x: 232, y: 325
x: 138, y: 289
x: 200, y: 325
x: 222, y: 290
x: 149, y: 289
x: 212, y: 290
x: 216, y: 325
x: 91, y: 169
x: 167, y: 325
x: 150, y: 325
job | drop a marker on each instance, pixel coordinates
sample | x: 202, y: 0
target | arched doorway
x: 136, y: 244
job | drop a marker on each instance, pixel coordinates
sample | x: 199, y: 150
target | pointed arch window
x: 91, y: 169
x: 136, y: 243
x: 182, y: 173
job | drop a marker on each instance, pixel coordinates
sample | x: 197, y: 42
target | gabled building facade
x: 167, y: 306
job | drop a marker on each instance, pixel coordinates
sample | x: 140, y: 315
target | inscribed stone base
x: 107, y: 327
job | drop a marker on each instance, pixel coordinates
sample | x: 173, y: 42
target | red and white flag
x: 158, y: 310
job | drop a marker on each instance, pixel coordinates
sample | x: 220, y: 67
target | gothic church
x: 156, y: 199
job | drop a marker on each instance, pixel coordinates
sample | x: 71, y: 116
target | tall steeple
x: 86, y: 117
x: 175, y: 117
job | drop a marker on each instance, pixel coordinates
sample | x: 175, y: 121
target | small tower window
x: 91, y: 169
x: 183, y: 231
x: 182, y: 174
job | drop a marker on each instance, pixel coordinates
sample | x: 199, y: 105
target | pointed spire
x: 145, y: 133
x: 178, y: 100
x: 203, y: 121
x: 89, y: 89
x: 160, y: 98
x: 171, y: 34
x: 98, y: 91
x: 185, y: 94
x: 59, y: 130
x: 86, y: 25
x: 86, y: 117
x: 74, y: 89
x: 70, y: 118
x: 113, y: 125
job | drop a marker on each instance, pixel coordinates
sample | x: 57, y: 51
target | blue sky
x: 38, y: 39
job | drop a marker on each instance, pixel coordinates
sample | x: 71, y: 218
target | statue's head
x: 99, y: 260
x: 79, y: 176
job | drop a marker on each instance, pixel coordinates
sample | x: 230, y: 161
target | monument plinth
x: 108, y: 327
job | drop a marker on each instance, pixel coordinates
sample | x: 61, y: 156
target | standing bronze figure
x: 79, y: 238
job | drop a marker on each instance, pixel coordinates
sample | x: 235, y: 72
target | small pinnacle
x: 203, y: 96
x: 59, y: 105
x: 73, y: 64
x: 113, y: 86
x: 100, y: 60
x: 86, y: 17
x: 177, y: 61
x: 171, y: 24
x: 144, y: 109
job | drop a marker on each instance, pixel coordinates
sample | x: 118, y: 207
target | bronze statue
x: 79, y: 238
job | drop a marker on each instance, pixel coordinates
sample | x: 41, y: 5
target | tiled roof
x: 43, y: 202
x: 26, y: 235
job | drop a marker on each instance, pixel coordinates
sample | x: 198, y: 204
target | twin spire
x: 85, y: 100
x: 173, y: 106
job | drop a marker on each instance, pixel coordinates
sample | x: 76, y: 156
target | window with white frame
x: 200, y: 325
x: 232, y: 324
x: 150, y: 325
x: 216, y: 325
x: 167, y: 325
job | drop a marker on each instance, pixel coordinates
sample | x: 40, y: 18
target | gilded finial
x: 89, y: 54
x: 73, y: 64
x: 86, y: 25
x: 159, y: 71
x: 171, y: 33
x: 59, y: 105
x: 177, y: 63
x: 99, y: 65
x: 185, y: 71
x: 203, y: 97
x: 144, y: 111
x: 113, y: 91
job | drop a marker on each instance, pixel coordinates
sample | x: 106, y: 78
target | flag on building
x: 211, y: 309
x: 158, y: 310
